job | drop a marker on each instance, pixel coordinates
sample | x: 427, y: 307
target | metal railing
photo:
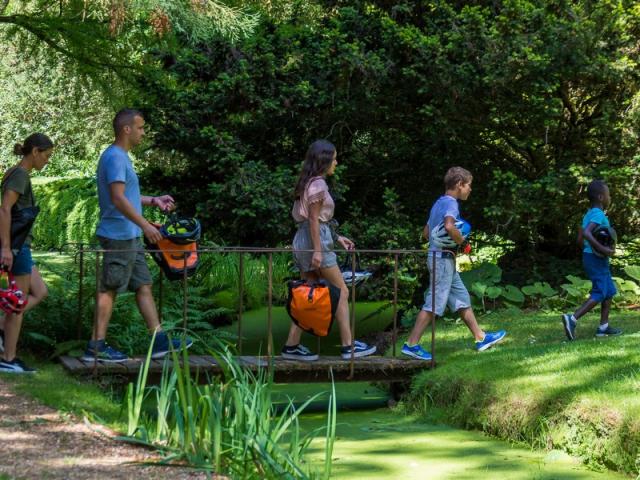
x: 83, y: 249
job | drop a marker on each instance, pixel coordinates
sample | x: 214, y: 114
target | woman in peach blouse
x: 313, y: 246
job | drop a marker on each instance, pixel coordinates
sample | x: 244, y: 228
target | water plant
x: 227, y: 425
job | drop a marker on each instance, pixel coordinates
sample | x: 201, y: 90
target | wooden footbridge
x: 387, y: 368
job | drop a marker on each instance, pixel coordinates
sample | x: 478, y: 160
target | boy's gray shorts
x: 123, y: 270
x: 302, y: 241
x: 450, y: 291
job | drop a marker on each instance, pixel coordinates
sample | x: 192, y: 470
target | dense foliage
x: 536, y: 98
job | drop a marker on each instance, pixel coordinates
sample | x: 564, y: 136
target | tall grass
x: 228, y: 425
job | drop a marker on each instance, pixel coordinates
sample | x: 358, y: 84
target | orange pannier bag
x: 170, y: 257
x: 312, y: 305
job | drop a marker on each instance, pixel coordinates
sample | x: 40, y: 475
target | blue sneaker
x: 490, y: 339
x: 360, y: 349
x: 608, y: 332
x: 416, y: 352
x: 298, y: 352
x: 100, y: 351
x: 569, y: 325
x: 161, y: 345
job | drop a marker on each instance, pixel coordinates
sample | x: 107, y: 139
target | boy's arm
x: 588, y: 236
x: 425, y: 232
x: 580, y: 238
x: 454, y: 233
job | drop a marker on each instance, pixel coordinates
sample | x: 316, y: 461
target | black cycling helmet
x: 181, y: 230
x: 605, y: 236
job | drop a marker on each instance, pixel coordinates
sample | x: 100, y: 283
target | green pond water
x: 375, y: 442
x: 378, y: 443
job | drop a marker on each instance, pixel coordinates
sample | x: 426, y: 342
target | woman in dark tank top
x: 17, y: 194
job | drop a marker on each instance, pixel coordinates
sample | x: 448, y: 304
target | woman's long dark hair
x: 316, y: 163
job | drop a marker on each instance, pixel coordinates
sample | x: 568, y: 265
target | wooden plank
x: 372, y: 368
x: 72, y: 364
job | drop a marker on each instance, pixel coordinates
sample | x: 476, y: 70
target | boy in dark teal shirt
x: 595, y: 259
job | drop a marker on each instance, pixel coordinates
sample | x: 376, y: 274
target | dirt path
x: 40, y: 443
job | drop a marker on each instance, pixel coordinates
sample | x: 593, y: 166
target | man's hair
x: 125, y: 118
x: 595, y: 189
x: 455, y: 175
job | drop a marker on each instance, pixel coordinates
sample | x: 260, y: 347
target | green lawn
x: 582, y: 397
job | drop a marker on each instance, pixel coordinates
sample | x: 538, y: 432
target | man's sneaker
x: 161, y: 346
x: 569, y: 326
x: 360, y: 349
x: 298, y: 352
x: 100, y: 351
x: 490, y: 339
x: 609, y: 332
x: 416, y: 352
x: 15, y: 366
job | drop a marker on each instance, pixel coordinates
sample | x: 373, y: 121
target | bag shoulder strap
x: 8, y: 175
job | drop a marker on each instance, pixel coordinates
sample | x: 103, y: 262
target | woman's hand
x: 316, y: 260
x: 346, y: 243
x: 6, y: 258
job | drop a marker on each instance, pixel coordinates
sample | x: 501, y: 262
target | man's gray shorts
x: 450, y: 291
x: 124, y: 268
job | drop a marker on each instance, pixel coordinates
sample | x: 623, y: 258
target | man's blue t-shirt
x: 445, y: 206
x: 115, y: 166
x: 597, y: 216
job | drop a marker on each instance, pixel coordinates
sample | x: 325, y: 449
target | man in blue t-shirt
x: 447, y: 285
x: 595, y: 259
x: 119, y: 228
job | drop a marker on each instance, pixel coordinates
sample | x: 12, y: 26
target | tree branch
x: 41, y: 34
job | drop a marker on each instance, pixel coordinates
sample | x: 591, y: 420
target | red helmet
x: 12, y: 299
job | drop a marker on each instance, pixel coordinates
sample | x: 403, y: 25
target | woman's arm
x: 9, y: 198
x: 314, y: 228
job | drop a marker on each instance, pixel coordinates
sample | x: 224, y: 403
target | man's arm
x: 123, y: 205
x: 163, y: 202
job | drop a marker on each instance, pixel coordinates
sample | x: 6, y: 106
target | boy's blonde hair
x: 455, y: 175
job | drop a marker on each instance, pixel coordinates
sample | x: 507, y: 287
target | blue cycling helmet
x: 439, y: 237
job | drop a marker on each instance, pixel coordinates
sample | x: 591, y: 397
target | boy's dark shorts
x: 123, y: 270
x: 597, y: 269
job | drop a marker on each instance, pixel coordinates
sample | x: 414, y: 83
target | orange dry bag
x: 312, y: 305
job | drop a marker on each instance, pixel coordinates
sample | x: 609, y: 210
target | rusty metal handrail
x: 241, y: 251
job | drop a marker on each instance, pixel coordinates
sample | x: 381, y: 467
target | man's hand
x: 166, y: 203
x: 151, y: 233
x: 6, y: 258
